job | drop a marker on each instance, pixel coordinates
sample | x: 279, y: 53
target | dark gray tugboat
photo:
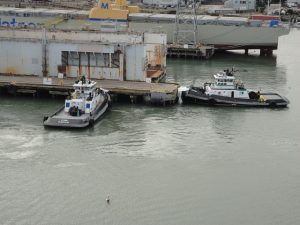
x: 226, y: 91
x: 83, y: 108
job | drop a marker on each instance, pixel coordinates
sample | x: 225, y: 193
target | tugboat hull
x: 272, y: 100
x: 64, y: 120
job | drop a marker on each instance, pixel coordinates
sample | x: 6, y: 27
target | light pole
x: 248, y: 6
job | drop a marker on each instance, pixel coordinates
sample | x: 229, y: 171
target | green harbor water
x: 161, y: 165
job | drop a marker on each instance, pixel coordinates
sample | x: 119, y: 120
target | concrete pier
x: 156, y: 93
x: 201, y: 52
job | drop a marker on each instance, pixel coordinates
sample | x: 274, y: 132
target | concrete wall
x: 26, y: 58
x: 136, y: 63
x: 155, y: 38
x: 20, y: 58
x: 22, y: 52
x: 73, y: 36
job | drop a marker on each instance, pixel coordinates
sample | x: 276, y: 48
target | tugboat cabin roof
x: 88, y: 84
x: 224, y: 76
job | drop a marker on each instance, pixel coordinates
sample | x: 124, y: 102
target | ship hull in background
x: 222, y: 37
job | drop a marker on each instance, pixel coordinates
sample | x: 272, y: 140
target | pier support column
x: 246, y: 51
x: 12, y: 90
x: 121, y: 71
x: 266, y: 51
x: 133, y: 99
x: 44, y: 54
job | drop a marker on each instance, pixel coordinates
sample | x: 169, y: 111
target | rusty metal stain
x: 89, y: 72
x: 68, y: 69
x: 84, y: 71
x: 61, y: 82
x: 11, y: 71
x: 158, y: 55
x: 79, y: 65
x: 80, y: 70
x: 92, y: 72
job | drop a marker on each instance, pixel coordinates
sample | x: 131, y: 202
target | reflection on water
x: 256, y: 72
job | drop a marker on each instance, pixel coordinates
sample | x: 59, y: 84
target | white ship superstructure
x: 226, y: 85
x: 222, y: 32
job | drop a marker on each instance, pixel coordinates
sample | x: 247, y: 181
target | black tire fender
x: 184, y: 93
x: 212, y: 101
x: 92, y: 121
x: 272, y: 104
x: 109, y: 102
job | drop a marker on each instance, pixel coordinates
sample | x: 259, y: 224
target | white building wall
x: 155, y: 38
x: 21, y: 58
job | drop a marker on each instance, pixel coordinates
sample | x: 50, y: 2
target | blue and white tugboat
x: 227, y: 91
x: 83, y: 108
